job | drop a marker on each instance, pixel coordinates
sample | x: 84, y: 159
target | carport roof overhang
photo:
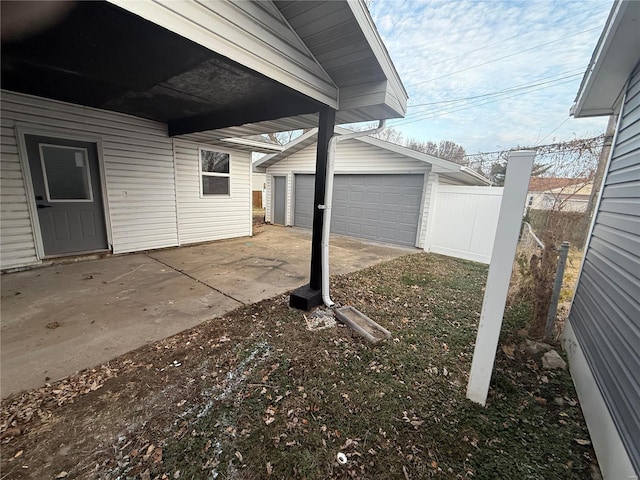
x: 613, y: 61
x: 154, y: 60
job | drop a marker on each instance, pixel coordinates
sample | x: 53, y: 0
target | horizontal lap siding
x: 17, y: 247
x: 606, y: 310
x: 138, y: 163
x: 352, y: 156
x: 215, y: 217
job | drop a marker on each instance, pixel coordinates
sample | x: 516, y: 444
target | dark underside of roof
x: 102, y: 56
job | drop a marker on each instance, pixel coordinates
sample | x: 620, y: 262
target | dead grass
x: 256, y: 395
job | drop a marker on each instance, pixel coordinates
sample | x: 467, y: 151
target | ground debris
x: 552, y: 360
x: 18, y: 411
x: 255, y: 394
x: 320, y: 319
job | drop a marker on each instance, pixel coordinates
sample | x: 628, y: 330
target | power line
x: 442, y: 111
x: 505, y: 56
x: 523, y: 86
x: 552, y: 131
x: 549, y: 145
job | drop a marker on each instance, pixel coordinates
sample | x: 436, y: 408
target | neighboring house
x: 602, y: 336
x: 553, y: 193
x: 382, y: 190
x: 121, y: 121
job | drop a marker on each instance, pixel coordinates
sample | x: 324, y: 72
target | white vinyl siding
x: 254, y: 34
x: 17, y: 246
x: 212, y: 217
x: 352, y: 156
x: 605, y: 315
x: 138, y: 167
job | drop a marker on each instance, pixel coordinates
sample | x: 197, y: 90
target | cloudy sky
x: 492, y: 74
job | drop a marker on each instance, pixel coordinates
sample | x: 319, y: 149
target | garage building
x: 382, y: 191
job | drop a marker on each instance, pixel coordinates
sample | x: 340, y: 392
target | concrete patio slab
x: 60, y: 319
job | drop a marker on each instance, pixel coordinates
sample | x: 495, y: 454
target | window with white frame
x: 215, y: 174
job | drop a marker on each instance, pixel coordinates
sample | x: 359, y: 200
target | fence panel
x: 257, y: 199
x: 464, y: 221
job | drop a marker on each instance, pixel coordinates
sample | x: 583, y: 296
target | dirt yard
x: 256, y: 395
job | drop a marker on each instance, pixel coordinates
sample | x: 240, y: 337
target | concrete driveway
x: 59, y: 319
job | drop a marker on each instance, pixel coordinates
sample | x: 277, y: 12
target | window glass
x: 66, y: 171
x: 215, y: 185
x: 214, y: 162
x: 214, y: 172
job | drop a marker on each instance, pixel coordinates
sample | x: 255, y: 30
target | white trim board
x: 612, y: 456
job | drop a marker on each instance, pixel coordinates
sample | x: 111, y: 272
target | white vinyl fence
x: 463, y: 221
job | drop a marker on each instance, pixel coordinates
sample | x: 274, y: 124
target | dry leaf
x: 157, y: 455
x: 269, y: 468
x: 580, y: 441
x: 19, y: 453
x: 62, y: 474
x: 509, y: 350
x: 239, y: 455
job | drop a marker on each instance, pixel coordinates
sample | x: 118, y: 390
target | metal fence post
x: 557, y: 286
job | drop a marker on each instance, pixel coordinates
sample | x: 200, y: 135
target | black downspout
x: 310, y: 295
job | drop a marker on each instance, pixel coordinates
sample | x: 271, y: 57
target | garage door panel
x: 339, y: 210
x: 408, y: 199
x: 340, y: 195
x: 408, y: 218
x: 340, y: 225
x: 376, y: 207
x: 387, y: 216
x: 386, y: 232
x: 356, y: 196
x: 391, y: 199
x: 354, y: 212
x: 354, y: 229
x: 370, y: 214
x: 371, y: 197
x: 369, y: 231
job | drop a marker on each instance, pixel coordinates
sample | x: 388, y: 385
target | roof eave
x: 439, y: 165
x: 612, y: 62
x: 396, y: 89
x: 303, y: 141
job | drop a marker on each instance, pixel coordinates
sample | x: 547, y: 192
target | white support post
x: 516, y: 185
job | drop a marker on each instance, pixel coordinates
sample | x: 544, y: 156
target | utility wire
x: 552, y: 131
x: 549, y: 145
x: 523, y: 86
x: 505, y: 56
x: 443, y: 111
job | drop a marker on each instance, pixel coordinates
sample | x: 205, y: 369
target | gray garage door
x: 385, y: 208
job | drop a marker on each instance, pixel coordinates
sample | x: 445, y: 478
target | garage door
x: 385, y: 208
